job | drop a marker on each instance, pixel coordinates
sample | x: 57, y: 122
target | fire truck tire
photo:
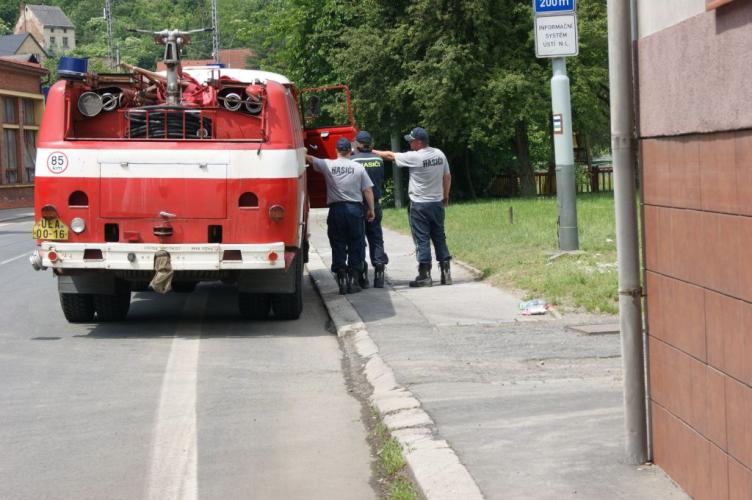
x: 112, y: 307
x: 184, y: 286
x: 254, y: 305
x: 77, y: 307
x: 288, y: 306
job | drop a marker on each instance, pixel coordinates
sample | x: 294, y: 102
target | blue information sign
x: 554, y: 6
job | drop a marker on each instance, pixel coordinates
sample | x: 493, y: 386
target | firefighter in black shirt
x: 375, y: 168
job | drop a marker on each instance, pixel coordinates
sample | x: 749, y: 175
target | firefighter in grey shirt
x: 430, y: 181
x: 347, y: 186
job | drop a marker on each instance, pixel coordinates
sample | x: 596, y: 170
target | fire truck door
x: 195, y: 190
x: 327, y: 116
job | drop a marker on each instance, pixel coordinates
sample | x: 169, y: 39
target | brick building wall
x: 21, y: 106
x: 696, y: 167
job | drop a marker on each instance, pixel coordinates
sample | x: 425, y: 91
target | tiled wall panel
x: 697, y: 193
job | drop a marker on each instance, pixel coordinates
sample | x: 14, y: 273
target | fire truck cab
x: 175, y: 179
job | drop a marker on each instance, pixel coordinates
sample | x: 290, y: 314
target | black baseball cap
x: 343, y: 144
x: 417, y: 134
x: 364, y: 138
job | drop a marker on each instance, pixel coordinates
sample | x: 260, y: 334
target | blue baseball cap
x: 364, y: 138
x: 417, y: 134
x: 343, y: 144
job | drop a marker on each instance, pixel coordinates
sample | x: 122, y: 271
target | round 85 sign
x: 57, y: 162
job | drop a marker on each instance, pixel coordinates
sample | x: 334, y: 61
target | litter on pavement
x: 534, y: 307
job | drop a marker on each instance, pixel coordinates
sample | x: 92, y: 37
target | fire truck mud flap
x: 162, y: 280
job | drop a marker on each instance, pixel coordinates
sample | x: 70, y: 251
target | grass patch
x: 392, y: 463
x: 518, y: 254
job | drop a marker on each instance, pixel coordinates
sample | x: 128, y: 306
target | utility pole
x: 621, y: 85
x: 566, y: 188
x: 556, y: 37
x: 108, y: 20
x: 396, y: 172
x: 215, y: 31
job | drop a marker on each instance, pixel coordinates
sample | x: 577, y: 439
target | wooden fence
x: 596, y: 180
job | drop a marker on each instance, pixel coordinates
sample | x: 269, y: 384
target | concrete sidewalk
x: 531, y: 409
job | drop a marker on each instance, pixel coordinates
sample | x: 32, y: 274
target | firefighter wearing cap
x: 347, y: 187
x: 374, y: 166
x: 430, y: 181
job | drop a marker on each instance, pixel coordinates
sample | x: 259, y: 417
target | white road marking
x: 18, y: 221
x: 174, y: 464
x: 8, y: 261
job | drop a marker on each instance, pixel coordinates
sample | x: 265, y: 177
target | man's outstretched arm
x: 384, y: 155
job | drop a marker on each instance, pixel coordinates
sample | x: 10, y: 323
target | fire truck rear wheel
x: 288, y: 306
x: 77, y: 307
x: 254, y: 305
x: 112, y: 307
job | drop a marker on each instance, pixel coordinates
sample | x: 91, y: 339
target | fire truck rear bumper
x: 140, y: 257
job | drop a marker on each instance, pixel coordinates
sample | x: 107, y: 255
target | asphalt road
x: 184, y: 400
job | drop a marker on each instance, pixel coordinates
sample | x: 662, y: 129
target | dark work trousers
x: 346, y: 231
x: 427, y: 225
x: 375, y: 237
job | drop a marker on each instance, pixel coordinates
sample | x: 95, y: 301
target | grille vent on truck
x: 168, y: 124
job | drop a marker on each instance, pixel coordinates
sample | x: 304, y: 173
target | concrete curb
x: 477, y: 273
x: 435, y: 466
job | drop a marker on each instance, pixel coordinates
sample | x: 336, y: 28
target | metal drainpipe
x: 643, y: 273
x: 630, y: 292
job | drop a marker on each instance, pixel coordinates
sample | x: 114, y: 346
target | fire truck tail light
x: 49, y: 212
x: 273, y: 256
x: 78, y: 225
x: 232, y: 255
x: 53, y: 256
x: 276, y: 213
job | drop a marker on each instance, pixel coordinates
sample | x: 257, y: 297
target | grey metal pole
x: 630, y: 292
x: 566, y: 190
x: 108, y: 20
x: 215, y: 32
x: 397, y: 172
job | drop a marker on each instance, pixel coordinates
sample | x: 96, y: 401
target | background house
x: 49, y: 25
x: 21, y: 106
x: 22, y: 44
x: 231, y: 58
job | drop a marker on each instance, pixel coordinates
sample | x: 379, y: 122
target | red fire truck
x: 174, y: 178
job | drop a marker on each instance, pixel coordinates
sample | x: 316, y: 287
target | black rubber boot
x: 363, y: 277
x: 446, y: 273
x: 378, y: 276
x: 424, y: 276
x: 352, y: 282
x: 342, y: 282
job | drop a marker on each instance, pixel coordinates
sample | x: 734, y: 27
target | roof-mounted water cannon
x: 173, y: 40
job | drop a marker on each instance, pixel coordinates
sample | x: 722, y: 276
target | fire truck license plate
x: 50, y: 230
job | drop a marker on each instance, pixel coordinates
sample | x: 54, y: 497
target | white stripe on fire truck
x: 168, y: 164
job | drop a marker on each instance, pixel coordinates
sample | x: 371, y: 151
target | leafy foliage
x: 464, y: 69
